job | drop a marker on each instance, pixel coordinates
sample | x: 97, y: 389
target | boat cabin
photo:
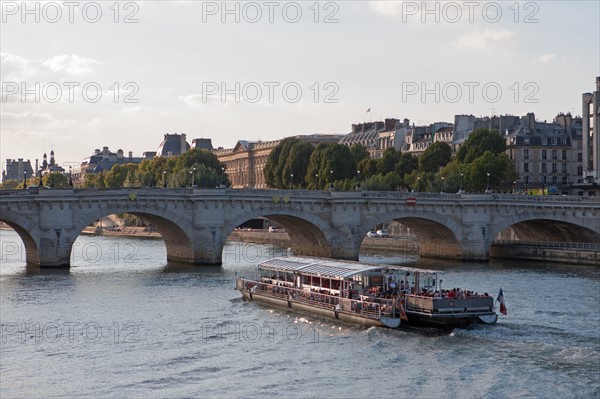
x: 347, y: 279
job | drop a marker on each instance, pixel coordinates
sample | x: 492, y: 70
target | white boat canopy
x: 330, y: 267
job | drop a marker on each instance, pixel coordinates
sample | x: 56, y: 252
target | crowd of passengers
x: 393, y: 292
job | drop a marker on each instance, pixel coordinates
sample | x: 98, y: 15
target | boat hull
x: 329, y: 312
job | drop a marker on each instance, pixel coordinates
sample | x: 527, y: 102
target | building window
x: 564, y: 168
x: 526, y: 179
x: 554, y: 180
x: 526, y: 153
x: 564, y: 180
x: 544, y: 154
x: 579, y: 157
x: 526, y: 140
x: 554, y: 168
x: 554, y: 154
x: 553, y: 141
x: 545, y: 180
x: 580, y: 171
x: 564, y: 154
x: 526, y: 168
x: 564, y: 141
x: 543, y: 168
x: 544, y: 141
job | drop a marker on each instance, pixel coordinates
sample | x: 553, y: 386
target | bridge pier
x: 474, y: 244
x: 54, y: 250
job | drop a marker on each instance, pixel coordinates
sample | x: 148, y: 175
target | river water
x: 121, y: 322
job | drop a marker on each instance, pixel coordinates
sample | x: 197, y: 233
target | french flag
x: 500, y: 300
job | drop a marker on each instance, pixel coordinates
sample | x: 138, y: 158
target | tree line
x: 298, y: 164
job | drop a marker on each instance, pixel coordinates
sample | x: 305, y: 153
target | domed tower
x: 52, y: 162
x: 44, y: 161
x: 173, y: 144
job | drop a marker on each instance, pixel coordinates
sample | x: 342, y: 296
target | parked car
x: 372, y: 233
x: 382, y: 234
x: 273, y: 229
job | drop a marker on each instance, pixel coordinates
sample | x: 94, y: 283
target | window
x: 544, y: 154
x: 526, y: 179
x: 526, y: 140
x: 564, y: 168
x: 564, y: 180
x: 580, y: 171
x: 526, y: 153
x: 579, y: 157
x: 554, y: 180
x: 544, y: 141
x: 564, y: 155
x: 554, y: 168
x: 554, y: 141
x: 545, y: 180
x: 564, y: 141
x: 526, y: 168
x: 554, y: 154
x: 543, y: 167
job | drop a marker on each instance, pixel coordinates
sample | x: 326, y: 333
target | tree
x: 368, y: 167
x: 358, y: 153
x: 387, y: 163
x: 55, y: 180
x: 435, y: 156
x: 117, y: 174
x: 290, y: 156
x: 406, y: 164
x: 480, y: 141
x: 500, y: 168
x: 9, y: 185
x: 327, y: 158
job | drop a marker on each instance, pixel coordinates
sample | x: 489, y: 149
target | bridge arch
x: 309, y: 234
x: 176, y: 231
x: 437, y: 235
x: 27, y: 230
x: 555, y: 228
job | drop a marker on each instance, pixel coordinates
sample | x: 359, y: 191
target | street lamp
x: 514, y: 186
x: 443, y: 183
x: 222, y: 175
x: 331, y: 185
x: 487, y: 188
x: 317, y: 176
x: 461, y: 183
x: 292, y: 180
x: 357, y: 179
x: 24, y: 180
x: 164, y: 179
x: 418, y: 183
x: 70, y: 176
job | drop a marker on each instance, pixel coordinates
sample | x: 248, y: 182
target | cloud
x: 489, y: 41
x: 14, y: 67
x: 387, y: 7
x: 545, y: 58
x: 72, y: 64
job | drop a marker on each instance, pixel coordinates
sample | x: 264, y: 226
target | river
x: 121, y: 322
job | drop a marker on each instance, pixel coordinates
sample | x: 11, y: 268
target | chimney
x: 598, y: 83
x: 531, y: 121
x: 130, y: 154
x: 119, y: 154
x: 97, y: 151
x: 354, y: 128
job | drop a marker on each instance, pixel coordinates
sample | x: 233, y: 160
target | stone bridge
x: 195, y: 223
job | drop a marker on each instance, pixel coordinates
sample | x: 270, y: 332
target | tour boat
x: 366, y: 294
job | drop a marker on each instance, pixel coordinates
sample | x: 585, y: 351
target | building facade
x: 590, y: 140
x: 18, y: 170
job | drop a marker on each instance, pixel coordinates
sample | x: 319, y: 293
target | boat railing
x: 373, y: 308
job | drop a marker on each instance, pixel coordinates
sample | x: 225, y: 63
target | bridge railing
x: 548, y: 245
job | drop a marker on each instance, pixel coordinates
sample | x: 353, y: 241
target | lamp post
x: 164, y: 179
x: 292, y: 180
x: 443, y: 183
x: 331, y: 184
x: 418, y: 183
x: 24, y: 180
x: 461, y: 183
x: 514, y: 186
x: 222, y: 175
x: 487, y: 188
x: 357, y: 179
x: 317, y: 176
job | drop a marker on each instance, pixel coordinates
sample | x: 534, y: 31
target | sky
x: 77, y: 76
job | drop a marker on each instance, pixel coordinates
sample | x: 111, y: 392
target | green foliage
x: 387, y: 182
x: 368, y: 167
x: 291, y: 156
x: 327, y: 158
x: 55, y: 180
x: 358, y: 153
x: 480, y: 141
x: 435, y: 156
x: 499, y: 167
x: 387, y: 163
x: 10, y: 185
x: 406, y: 164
